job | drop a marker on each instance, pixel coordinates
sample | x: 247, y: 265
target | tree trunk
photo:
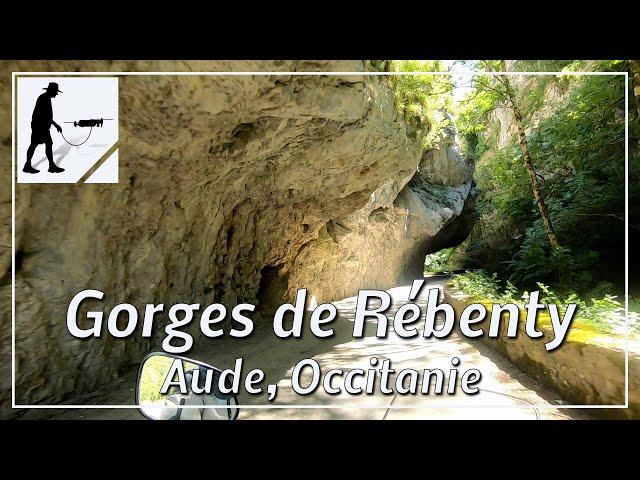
x: 528, y: 163
x: 634, y: 66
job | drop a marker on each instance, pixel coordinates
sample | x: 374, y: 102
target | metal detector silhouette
x: 41, y: 122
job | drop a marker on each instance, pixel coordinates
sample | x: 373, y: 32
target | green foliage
x: 378, y: 65
x: 604, y: 313
x: 479, y: 284
x: 420, y: 97
x: 576, y: 140
x: 440, y: 261
x: 575, y: 134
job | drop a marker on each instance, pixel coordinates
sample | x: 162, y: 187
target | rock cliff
x: 231, y: 189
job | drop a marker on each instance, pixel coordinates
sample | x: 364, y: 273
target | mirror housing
x: 169, y: 386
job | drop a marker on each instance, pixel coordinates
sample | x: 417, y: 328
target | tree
x: 575, y: 136
x: 528, y: 162
x: 498, y: 92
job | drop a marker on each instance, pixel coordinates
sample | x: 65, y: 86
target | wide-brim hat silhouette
x: 54, y: 87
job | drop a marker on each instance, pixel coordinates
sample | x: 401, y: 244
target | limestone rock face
x: 231, y: 189
x: 385, y: 243
x: 445, y: 164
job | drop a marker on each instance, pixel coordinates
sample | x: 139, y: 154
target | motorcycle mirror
x: 171, y: 387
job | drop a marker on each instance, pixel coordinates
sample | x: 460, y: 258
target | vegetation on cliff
x: 550, y: 166
x: 422, y: 97
x: 577, y: 142
x: 575, y: 130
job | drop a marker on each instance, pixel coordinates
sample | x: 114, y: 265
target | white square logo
x: 67, y: 129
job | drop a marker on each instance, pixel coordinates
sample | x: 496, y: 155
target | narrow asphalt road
x: 505, y: 391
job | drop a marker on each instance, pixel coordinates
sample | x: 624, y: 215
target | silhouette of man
x: 41, y: 122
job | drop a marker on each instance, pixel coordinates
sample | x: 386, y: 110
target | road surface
x: 505, y: 391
